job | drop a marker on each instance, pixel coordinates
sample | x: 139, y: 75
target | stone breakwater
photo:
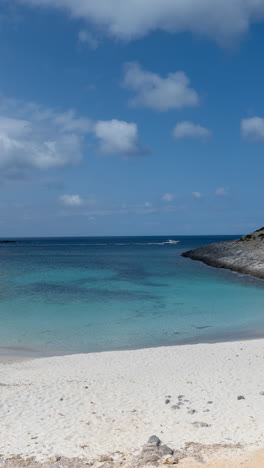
x: 244, y: 255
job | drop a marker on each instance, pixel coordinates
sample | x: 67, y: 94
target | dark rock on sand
x: 153, y: 451
x: 175, y: 407
x: 154, y: 440
x: 164, y: 450
x: 244, y: 255
x: 200, y: 424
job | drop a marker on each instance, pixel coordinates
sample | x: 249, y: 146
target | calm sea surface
x: 71, y: 295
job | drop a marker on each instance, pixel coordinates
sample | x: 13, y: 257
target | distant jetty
x: 244, y: 255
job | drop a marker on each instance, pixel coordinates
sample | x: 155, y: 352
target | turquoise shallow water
x: 74, y: 295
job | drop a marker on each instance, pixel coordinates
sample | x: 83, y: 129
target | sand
x: 97, y: 404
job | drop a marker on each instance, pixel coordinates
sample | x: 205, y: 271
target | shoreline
x: 9, y: 354
x: 92, y: 405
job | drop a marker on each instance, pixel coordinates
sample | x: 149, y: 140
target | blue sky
x: 130, y: 118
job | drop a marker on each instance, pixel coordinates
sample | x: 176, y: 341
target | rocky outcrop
x: 153, y: 454
x: 244, y: 255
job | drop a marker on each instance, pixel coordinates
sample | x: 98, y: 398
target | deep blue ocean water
x: 71, y: 295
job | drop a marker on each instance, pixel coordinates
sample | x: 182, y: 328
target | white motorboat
x: 171, y: 242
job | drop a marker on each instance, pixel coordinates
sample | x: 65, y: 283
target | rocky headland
x: 244, y: 255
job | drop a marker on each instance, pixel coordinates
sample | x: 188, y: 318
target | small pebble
x: 175, y: 407
x: 200, y: 424
x: 241, y: 397
x: 167, y: 401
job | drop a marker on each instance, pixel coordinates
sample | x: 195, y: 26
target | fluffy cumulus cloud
x: 221, y: 20
x: 156, y: 92
x: 253, y: 128
x: 117, y: 136
x: 190, y: 130
x: 33, y: 137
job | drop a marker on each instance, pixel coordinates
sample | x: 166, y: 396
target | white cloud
x: 190, y: 130
x: 117, y: 136
x: 221, y: 20
x: 168, y: 197
x: 70, y: 123
x: 71, y: 200
x: 34, y: 137
x: 253, y: 128
x: 197, y: 195
x: 222, y: 192
x: 155, y: 92
x: 88, y: 38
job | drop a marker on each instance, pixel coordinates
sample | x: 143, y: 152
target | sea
x: 92, y: 294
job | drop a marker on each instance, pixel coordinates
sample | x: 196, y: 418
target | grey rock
x: 154, y: 440
x: 175, y: 407
x: 149, y: 448
x: 191, y: 411
x: 241, y: 397
x: 151, y: 457
x: 262, y: 393
x: 165, y: 450
x: 245, y: 255
x: 167, y: 401
x: 200, y: 424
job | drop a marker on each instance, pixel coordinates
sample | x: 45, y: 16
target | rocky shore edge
x: 152, y: 454
x: 244, y: 255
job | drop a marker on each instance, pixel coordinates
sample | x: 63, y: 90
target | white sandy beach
x: 97, y: 404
